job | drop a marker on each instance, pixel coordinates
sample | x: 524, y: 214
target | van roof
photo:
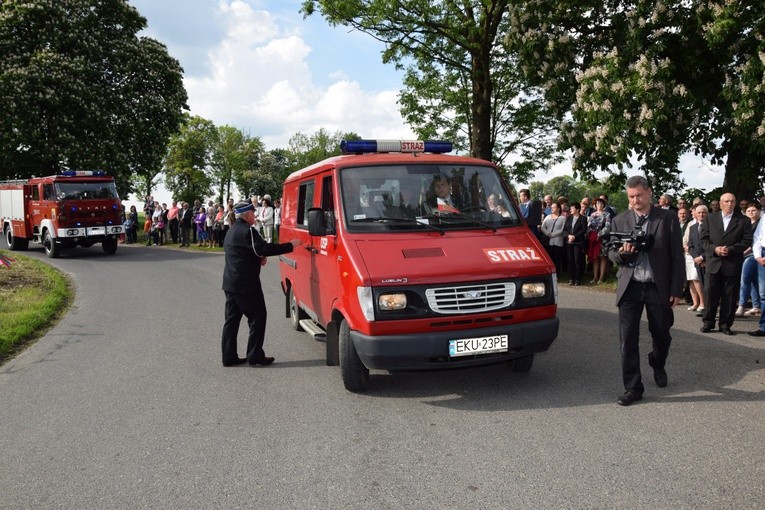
x: 388, y: 158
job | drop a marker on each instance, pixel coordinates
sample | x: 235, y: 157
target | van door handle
x: 311, y: 249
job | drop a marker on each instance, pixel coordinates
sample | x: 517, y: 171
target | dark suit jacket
x: 738, y: 237
x: 694, y: 243
x: 667, y: 257
x: 576, y: 228
x: 244, y: 248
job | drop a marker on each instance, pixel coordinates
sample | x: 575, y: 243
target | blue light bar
x: 373, y: 146
x: 82, y: 173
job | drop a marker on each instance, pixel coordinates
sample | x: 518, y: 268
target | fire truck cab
x: 73, y: 208
x: 413, y: 260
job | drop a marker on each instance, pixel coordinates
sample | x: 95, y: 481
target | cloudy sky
x: 259, y: 66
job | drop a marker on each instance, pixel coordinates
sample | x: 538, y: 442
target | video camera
x: 639, y: 238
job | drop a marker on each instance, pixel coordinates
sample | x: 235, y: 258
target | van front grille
x: 471, y: 298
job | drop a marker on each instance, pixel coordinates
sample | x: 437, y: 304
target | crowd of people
x: 204, y: 226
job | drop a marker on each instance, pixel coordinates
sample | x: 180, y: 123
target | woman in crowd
x: 552, y: 227
x: 266, y: 218
x: 749, y: 284
x: 598, y: 227
x: 575, y: 230
x: 277, y: 218
x: 692, y: 273
x: 199, y: 224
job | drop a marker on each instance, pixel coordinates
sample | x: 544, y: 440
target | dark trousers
x: 185, y: 235
x: 575, y: 261
x: 173, y: 229
x: 720, y: 291
x: 660, y: 320
x: 253, y: 306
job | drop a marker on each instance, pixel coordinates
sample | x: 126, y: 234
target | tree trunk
x: 480, y: 138
x: 742, y: 174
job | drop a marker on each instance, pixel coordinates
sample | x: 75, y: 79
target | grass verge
x: 33, y: 296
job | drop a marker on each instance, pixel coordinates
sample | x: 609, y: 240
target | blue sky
x: 260, y: 66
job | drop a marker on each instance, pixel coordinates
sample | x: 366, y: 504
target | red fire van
x: 413, y: 259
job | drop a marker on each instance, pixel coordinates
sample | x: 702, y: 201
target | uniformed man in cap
x: 246, y: 251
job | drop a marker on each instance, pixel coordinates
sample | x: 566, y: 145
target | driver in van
x: 442, y: 202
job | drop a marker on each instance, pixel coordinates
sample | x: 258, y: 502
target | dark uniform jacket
x: 244, y: 248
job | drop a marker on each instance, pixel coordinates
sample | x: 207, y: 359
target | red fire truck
x: 73, y: 208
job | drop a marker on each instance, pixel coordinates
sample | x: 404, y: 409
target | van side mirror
x: 316, y: 224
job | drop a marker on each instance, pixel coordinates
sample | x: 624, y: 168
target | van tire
x: 15, y: 243
x: 296, y: 313
x: 109, y: 246
x: 521, y: 364
x: 355, y: 374
x: 52, y: 250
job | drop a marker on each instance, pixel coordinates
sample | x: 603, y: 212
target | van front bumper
x: 430, y: 351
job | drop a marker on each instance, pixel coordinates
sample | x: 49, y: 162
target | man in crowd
x: 651, y: 278
x: 172, y: 221
x: 724, y: 235
x: 246, y: 252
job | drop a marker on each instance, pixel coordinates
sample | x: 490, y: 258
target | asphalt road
x: 125, y: 404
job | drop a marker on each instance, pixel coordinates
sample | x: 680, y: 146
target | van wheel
x: 296, y: 314
x: 521, y: 364
x: 15, y: 243
x: 52, y: 250
x: 355, y: 374
x: 109, y: 246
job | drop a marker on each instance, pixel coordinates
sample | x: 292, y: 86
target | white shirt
x: 726, y: 221
x: 758, y: 244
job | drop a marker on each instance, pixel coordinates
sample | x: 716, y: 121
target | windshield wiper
x: 400, y: 221
x: 468, y: 218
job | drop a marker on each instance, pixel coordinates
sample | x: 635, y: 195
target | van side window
x: 35, y: 192
x: 48, y: 193
x: 328, y: 203
x: 305, y: 202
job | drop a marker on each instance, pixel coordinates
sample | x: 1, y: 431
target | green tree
x: 460, y: 82
x: 79, y: 89
x: 187, y: 164
x: 305, y: 150
x: 642, y: 82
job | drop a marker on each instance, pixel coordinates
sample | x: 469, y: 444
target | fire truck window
x: 35, y: 192
x: 305, y: 202
x: 327, y: 203
x: 48, y: 192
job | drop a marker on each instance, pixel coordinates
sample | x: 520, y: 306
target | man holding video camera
x: 646, y: 242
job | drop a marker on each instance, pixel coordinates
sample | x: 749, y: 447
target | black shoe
x: 660, y: 376
x: 266, y: 360
x: 629, y: 398
x: 726, y: 331
x: 759, y: 332
x: 705, y: 329
x: 239, y: 361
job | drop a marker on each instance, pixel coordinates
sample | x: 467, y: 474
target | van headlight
x: 533, y: 290
x: 389, y: 302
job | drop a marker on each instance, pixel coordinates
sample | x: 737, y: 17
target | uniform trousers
x: 660, y: 319
x: 253, y: 306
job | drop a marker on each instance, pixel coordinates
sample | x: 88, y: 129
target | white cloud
x: 260, y: 81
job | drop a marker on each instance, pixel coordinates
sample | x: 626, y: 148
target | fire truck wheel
x: 521, y: 364
x: 52, y: 249
x: 15, y: 243
x: 109, y: 246
x: 355, y: 374
x: 296, y: 313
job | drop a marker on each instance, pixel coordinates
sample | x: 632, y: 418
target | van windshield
x: 85, y: 190
x: 424, y: 196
